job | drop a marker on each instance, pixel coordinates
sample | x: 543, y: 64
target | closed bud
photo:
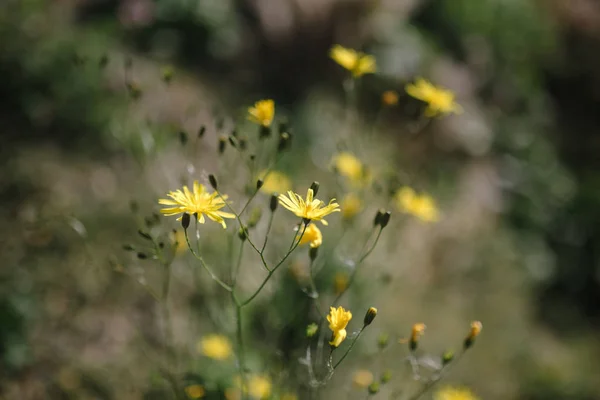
x: 202, y: 131
x: 183, y: 137
x: 386, y: 376
x: 232, y: 141
x: 222, y: 144
x: 385, y: 219
x: 476, y: 327
x: 315, y: 187
x: 259, y: 184
x: 374, y: 388
x: 370, y: 316
x: 382, y: 341
x: 265, y: 132
x: 447, y: 357
x: 128, y: 247
x: 185, y: 220
x: 273, y: 203
x: 213, y: 181
x: 243, y: 234
x: 284, y: 141
x: 313, y: 252
x: 377, y: 219
x: 142, y: 256
x: 144, y: 234
x: 167, y: 74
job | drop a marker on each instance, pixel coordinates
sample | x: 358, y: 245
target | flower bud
x: 142, y: 256
x: 213, y: 181
x: 315, y: 187
x: 201, y: 131
x: 183, y: 137
x: 417, y: 331
x: 128, y: 247
x: 377, y: 219
x: 259, y: 184
x: 311, y: 329
x: 167, y: 74
x: 185, y: 220
x: 313, y: 252
x: 386, y: 376
x: 385, y: 219
x: 222, y: 144
x: 476, y: 327
x: 447, y: 357
x: 232, y: 141
x: 243, y: 143
x: 273, y: 203
x: 382, y: 341
x: 374, y: 388
x: 243, y: 233
x: 370, y: 316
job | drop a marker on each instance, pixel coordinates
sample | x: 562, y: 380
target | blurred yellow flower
x: 275, y: 182
x: 454, y: 393
x: 356, y: 62
x: 439, y: 101
x: 338, y: 319
x: 476, y: 327
x: 178, y: 241
x: 312, y: 235
x: 362, y: 378
x: 215, y: 346
x: 389, y: 98
x: 347, y: 165
x: 417, y: 331
x: 198, y: 202
x: 310, y: 209
x: 351, y: 205
x: 262, y: 113
x: 421, y: 206
x: 195, y: 391
x: 340, y: 283
x: 259, y: 387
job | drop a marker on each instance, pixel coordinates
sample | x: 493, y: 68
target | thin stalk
x: 206, y: 267
x: 349, y: 348
x: 236, y: 269
x: 240, y: 343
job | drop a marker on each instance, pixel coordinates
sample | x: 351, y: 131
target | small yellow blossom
x: 338, y: 319
x: 421, y: 206
x: 195, y: 391
x: 439, y: 101
x: 454, y: 393
x: 362, y: 378
x: 258, y: 386
x: 476, y: 327
x: 340, y: 283
x: 198, y: 202
x: 312, y: 235
x: 348, y: 166
x: 274, y: 182
x: 389, y: 98
x: 417, y: 331
x: 351, y: 205
x: 310, y: 209
x: 262, y: 113
x: 357, y: 63
x: 215, y: 346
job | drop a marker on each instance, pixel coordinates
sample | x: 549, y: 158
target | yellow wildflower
x: 259, y: 387
x: 351, y: 205
x: 195, y: 391
x: 262, y: 113
x: 362, y: 378
x: 356, y: 62
x: 312, y: 235
x: 476, y: 327
x: 178, y: 241
x: 439, y: 101
x: 338, y: 320
x: 454, y: 393
x: 421, y: 206
x: 310, y: 209
x: 417, y: 331
x: 340, y: 283
x: 198, y: 202
x: 389, y: 98
x: 347, y: 165
x: 215, y: 346
x: 274, y: 182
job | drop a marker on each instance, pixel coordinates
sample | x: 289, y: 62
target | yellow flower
x: 439, y: 101
x: 309, y: 209
x: 454, y: 393
x: 476, y: 327
x: 389, y: 98
x: 215, y: 346
x: 362, y: 378
x: 351, y: 205
x: 347, y: 165
x: 312, y: 235
x: 421, y: 206
x: 417, y: 331
x: 195, y: 391
x: 338, y: 320
x: 258, y: 386
x: 340, y: 283
x: 355, y: 62
x: 274, y: 182
x: 178, y: 241
x: 198, y: 202
x: 262, y: 113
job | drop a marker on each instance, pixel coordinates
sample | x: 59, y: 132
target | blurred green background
x: 516, y: 175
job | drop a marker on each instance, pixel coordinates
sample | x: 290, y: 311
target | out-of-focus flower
x: 312, y: 235
x: 454, y: 393
x: 198, y: 202
x: 348, y: 166
x: 274, y: 182
x: 356, y: 62
x: 351, y: 205
x: 214, y: 346
x: 258, y: 387
x: 178, y: 241
x: 476, y: 327
x: 262, y: 113
x: 421, y: 206
x: 338, y: 319
x: 439, y: 101
x: 362, y: 378
x: 389, y: 98
x: 195, y: 391
x: 311, y: 329
x: 310, y: 209
x: 340, y: 283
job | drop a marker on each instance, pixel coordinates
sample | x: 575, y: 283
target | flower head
x: 421, y: 206
x: 362, y: 378
x: 274, y: 182
x: 198, y: 202
x: 310, y: 209
x: 417, y: 331
x: 454, y: 393
x: 476, y: 327
x: 216, y: 347
x: 312, y: 235
x: 348, y: 166
x: 351, y: 205
x: 355, y: 62
x: 439, y: 101
x: 258, y: 386
x: 195, y: 391
x: 389, y: 98
x: 262, y: 113
x: 338, y: 319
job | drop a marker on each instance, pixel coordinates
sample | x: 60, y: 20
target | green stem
x: 210, y: 272
x: 349, y: 348
x: 240, y: 342
x: 235, y: 271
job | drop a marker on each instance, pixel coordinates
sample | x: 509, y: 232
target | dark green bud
x: 385, y: 219
x: 185, y: 220
x: 265, y: 132
x: 183, y: 137
x: 142, y: 256
x: 222, y: 144
x: 374, y: 388
x: 315, y: 188
x: 202, y: 131
x: 144, y: 234
x: 213, y: 181
x: 370, y: 316
x: 243, y: 234
x: 273, y: 202
x: 313, y: 252
x: 259, y: 184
